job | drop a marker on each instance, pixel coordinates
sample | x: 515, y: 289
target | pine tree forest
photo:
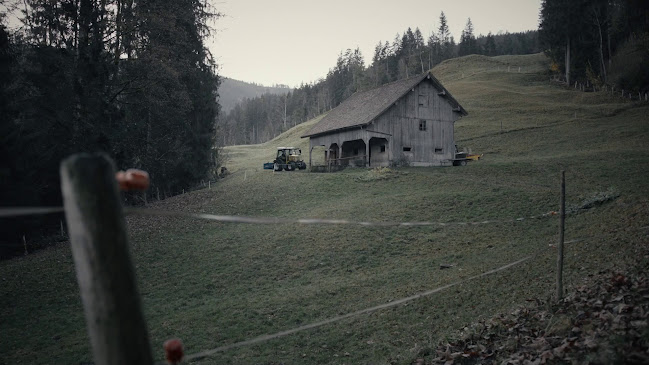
x: 597, y: 42
x: 129, y: 78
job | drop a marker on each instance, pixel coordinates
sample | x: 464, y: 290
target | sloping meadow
x: 213, y: 284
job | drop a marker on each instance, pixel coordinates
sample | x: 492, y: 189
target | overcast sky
x: 292, y: 41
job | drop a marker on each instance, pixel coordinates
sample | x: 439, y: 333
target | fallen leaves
x: 603, y: 321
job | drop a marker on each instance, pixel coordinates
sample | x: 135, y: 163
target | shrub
x: 629, y: 65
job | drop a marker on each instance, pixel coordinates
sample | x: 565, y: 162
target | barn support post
x: 100, y: 250
x: 310, y: 152
x: 367, y: 152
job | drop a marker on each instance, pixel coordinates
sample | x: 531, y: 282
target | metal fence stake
x: 562, y: 221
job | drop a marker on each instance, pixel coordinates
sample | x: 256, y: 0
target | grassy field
x: 213, y: 284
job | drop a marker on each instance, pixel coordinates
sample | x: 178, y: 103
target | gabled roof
x: 363, y: 107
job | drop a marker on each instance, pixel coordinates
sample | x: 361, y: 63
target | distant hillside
x: 233, y: 92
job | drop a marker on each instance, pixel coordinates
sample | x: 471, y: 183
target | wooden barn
x: 409, y: 122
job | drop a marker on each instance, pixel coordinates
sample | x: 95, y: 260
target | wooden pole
x: 562, y: 222
x: 100, y: 249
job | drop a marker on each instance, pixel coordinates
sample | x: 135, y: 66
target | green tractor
x: 288, y: 158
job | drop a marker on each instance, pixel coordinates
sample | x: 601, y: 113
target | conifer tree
x: 468, y: 43
x: 490, y: 45
x: 444, y: 36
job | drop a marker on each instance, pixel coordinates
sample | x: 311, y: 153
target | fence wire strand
x: 10, y: 212
x: 393, y: 303
x: 316, y: 221
x: 24, y: 211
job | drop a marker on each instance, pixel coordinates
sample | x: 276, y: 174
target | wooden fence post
x: 562, y: 222
x: 100, y: 249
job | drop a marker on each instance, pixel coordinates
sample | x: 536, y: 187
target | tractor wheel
x: 290, y: 166
x: 277, y: 167
x: 463, y: 163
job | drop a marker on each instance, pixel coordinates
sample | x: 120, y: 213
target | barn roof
x: 363, y: 107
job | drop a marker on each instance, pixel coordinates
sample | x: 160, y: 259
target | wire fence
x: 23, y: 211
x: 331, y: 320
x: 17, y: 212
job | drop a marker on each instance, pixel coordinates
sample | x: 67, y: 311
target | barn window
x: 438, y: 150
x: 423, y: 101
x: 382, y: 148
x: 422, y: 125
x: 407, y: 149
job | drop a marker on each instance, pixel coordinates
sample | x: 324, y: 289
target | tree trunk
x: 601, y: 45
x: 608, y: 37
x: 118, y: 30
x: 601, y: 52
x: 285, y: 97
x: 421, y: 60
x: 568, y: 60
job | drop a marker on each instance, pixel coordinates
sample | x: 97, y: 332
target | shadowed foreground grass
x: 213, y: 284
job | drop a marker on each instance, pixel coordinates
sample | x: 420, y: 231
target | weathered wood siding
x: 399, y: 125
x: 402, y: 121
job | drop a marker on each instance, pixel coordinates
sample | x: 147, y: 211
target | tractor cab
x: 288, y: 158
